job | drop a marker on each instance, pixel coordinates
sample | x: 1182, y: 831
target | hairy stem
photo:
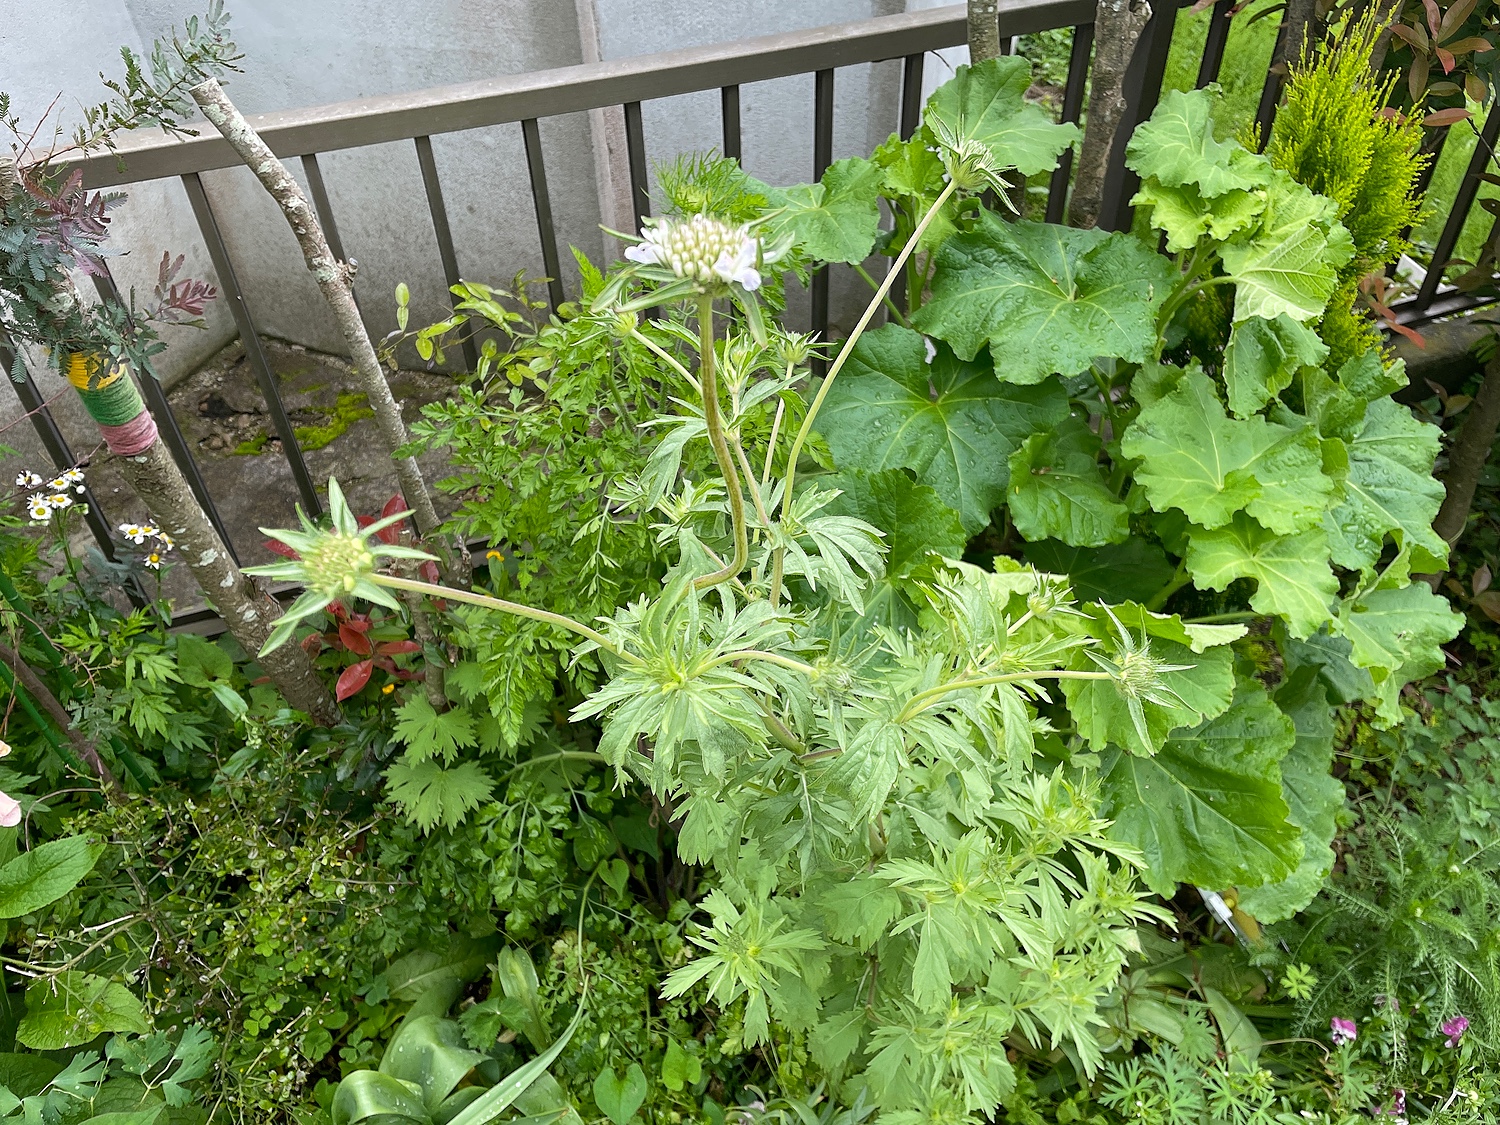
x: 757, y: 654
x: 666, y: 357
x: 805, y: 430
x: 334, y: 278
x: 468, y: 597
x: 720, y: 446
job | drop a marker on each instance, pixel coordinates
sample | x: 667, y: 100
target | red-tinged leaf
x: 1414, y: 36
x: 338, y: 611
x: 1410, y: 333
x: 1434, y: 17
x: 384, y: 663
x: 403, y: 674
x: 430, y: 572
x: 393, y: 506
x: 1474, y: 87
x: 353, y: 680
x: 355, y: 640
x: 1482, y: 579
x: 312, y: 644
x: 397, y: 648
x: 364, y: 521
x: 276, y: 547
x: 1488, y: 603
x: 440, y: 604
x: 260, y: 680
x: 1446, y: 58
x: 1445, y: 117
x: 1454, y: 17
x: 1472, y: 45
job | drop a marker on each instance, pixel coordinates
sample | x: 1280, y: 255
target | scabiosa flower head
x: 708, y: 250
x: 28, y: 479
x: 1342, y: 1031
x: 1454, y: 1028
x: 38, y: 508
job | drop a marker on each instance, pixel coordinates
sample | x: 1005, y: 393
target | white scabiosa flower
x: 707, y: 250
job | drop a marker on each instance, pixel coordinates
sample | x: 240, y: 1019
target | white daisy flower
x: 703, y: 248
x: 28, y: 479
x: 38, y: 509
x: 153, y: 560
x: 134, y: 532
x: 166, y: 541
x: 60, y: 500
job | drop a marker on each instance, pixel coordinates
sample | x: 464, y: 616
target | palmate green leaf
x: 1200, y: 690
x: 1208, y: 808
x: 986, y: 104
x: 1397, y: 633
x: 1291, y: 572
x: 1289, y: 261
x: 1389, y: 490
x: 836, y: 219
x: 1047, y: 299
x: 1196, y: 458
x: 427, y: 734
x: 948, y: 422
x: 1313, y: 797
x: 73, y: 1007
x: 1263, y: 356
x: 1133, y: 570
x: 1057, y: 490
x: 432, y: 794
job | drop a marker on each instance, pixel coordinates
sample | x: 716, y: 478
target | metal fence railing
x: 525, y: 99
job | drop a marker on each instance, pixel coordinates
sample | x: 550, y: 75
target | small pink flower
x: 1342, y: 1031
x: 1454, y: 1029
x: 10, y: 811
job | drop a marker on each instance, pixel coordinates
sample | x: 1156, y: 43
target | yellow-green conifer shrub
x: 1335, y: 135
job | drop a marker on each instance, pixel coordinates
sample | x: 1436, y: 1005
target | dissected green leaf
x: 1133, y: 570
x: 73, y: 1007
x: 43, y: 875
x: 948, y: 422
x: 986, y: 104
x: 836, y: 219
x: 1289, y: 261
x: 428, y: 734
x: 1057, y: 490
x: 433, y: 794
x: 1196, y: 458
x: 1313, y: 797
x: 1208, y: 808
x: 1047, y: 299
x: 1389, y: 490
x: 1292, y: 577
x: 1263, y: 356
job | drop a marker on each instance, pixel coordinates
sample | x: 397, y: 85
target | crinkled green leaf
x: 1262, y: 357
x: 1208, y: 808
x: 986, y: 104
x: 1133, y: 570
x: 1290, y: 260
x: 1313, y: 797
x: 949, y: 422
x: 1057, y: 490
x: 1196, y: 458
x: 914, y: 171
x: 1292, y: 577
x: 1389, y: 490
x: 836, y: 219
x: 1047, y: 299
x: 1397, y: 633
x: 1201, y: 690
x: 44, y: 874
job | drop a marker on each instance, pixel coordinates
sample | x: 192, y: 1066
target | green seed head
x: 337, y: 563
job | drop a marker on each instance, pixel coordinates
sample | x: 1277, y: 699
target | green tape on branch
x: 114, y: 403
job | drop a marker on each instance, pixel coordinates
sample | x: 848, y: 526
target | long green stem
x: 805, y: 430
x: 666, y: 356
x: 1179, y: 579
x: 448, y: 593
x: 923, y: 699
x: 890, y: 305
x: 715, y: 425
x: 758, y: 654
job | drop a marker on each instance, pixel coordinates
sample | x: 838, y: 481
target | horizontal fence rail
x: 624, y: 85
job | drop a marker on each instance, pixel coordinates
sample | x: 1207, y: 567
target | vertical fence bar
x: 446, y: 252
x: 1215, y: 40
x: 1270, y: 93
x: 170, y: 431
x: 822, y: 158
x: 55, y: 444
x: 911, y: 94
x: 541, y: 202
x: 635, y: 153
x: 314, y: 173
x: 1142, y: 89
x: 1072, y: 108
x: 729, y: 114
x: 260, y: 363
x: 1463, y: 203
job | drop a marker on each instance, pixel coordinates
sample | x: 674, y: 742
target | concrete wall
x: 299, y: 53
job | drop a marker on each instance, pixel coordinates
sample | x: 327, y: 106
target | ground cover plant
x: 1015, y: 721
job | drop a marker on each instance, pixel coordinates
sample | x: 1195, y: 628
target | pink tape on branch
x: 135, y: 436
